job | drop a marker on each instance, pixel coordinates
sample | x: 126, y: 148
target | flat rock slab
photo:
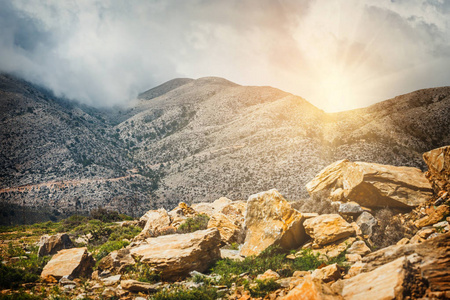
x: 73, y: 263
x: 328, y: 228
x: 176, y: 255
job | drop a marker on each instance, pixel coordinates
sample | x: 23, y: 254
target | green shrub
x: 263, y: 287
x: 204, y: 293
x: 20, y: 296
x: 11, y: 277
x: 199, y: 222
x: 105, y: 215
x: 108, y: 247
x: 307, y: 261
x: 120, y: 233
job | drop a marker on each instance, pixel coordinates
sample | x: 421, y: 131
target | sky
x: 337, y: 54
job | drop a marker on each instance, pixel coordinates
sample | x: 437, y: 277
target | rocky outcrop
x: 49, y: 245
x: 229, y: 231
x: 438, y: 161
x: 156, y: 220
x: 328, y: 228
x: 373, y: 185
x: 178, y: 254
x: 270, y: 220
x: 72, y: 263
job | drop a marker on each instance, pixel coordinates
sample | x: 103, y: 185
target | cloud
x: 338, y: 55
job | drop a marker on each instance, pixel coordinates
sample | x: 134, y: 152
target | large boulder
x: 229, y: 231
x: 270, y: 220
x: 176, y: 255
x: 372, y: 185
x: 49, y: 245
x: 156, y: 220
x: 438, y: 161
x: 328, y: 228
x: 73, y: 263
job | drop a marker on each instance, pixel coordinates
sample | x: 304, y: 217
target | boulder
x: 311, y: 289
x: 359, y: 247
x: 137, y: 286
x: 75, y: 262
x: 267, y: 275
x: 229, y: 232
x: 178, y: 254
x: 210, y: 209
x: 328, y: 228
x: 333, y: 250
x: 156, y: 221
x: 438, y: 161
x: 350, y: 209
x: 116, y: 261
x: 231, y: 254
x: 49, y: 245
x: 328, y: 273
x: 373, y: 185
x: 366, y: 223
x: 270, y: 220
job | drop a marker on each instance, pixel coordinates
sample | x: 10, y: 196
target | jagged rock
x: 177, y: 254
x: 72, y: 263
x: 359, y: 247
x: 350, y: 209
x: 116, y: 260
x: 229, y: 232
x: 327, y: 228
x: 270, y: 220
x: 210, y: 209
x: 180, y: 213
x: 137, y: 286
x: 311, y: 289
x: 156, y: 221
x: 49, y: 245
x: 434, y: 216
x: 438, y: 161
x: 366, y: 223
x: 385, y: 282
x: 328, y: 273
x: 373, y: 185
x: 269, y: 274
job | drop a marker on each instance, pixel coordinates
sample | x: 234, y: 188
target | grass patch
x: 263, y: 287
x: 108, y: 247
x: 199, y: 222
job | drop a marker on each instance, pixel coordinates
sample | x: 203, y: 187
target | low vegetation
x: 199, y: 222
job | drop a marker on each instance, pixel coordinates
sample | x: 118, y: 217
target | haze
x: 338, y: 55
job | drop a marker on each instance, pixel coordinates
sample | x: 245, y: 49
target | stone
x: 311, y: 289
x: 111, y: 280
x: 422, y: 235
x: 267, y: 275
x: 109, y: 292
x: 334, y: 249
x: 403, y: 241
x: 231, y: 254
x: 373, y: 185
x: 359, y: 247
x: 137, y: 286
x: 73, y: 263
x: 328, y: 273
x: 229, y: 232
x: 350, y: 209
x: 210, y: 209
x: 355, y: 269
x: 352, y: 257
x: 156, y: 221
x: 270, y: 220
x: 433, y: 216
x: 438, y: 161
x: 180, y: 213
x: 385, y: 282
x: 49, y: 245
x: 116, y: 261
x: 327, y: 228
x: 366, y: 223
x: 178, y: 254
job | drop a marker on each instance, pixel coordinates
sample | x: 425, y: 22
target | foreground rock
x: 438, y: 161
x: 49, y: 245
x: 328, y: 228
x: 270, y: 220
x: 73, y: 263
x: 373, y: 185
x: 178, y: 254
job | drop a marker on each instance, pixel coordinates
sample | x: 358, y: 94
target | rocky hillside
x: 194, y: 141
x: 382, y: 233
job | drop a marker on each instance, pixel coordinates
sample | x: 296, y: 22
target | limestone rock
x: 177, y: 254
x: 72, y: 263
x: 137, y: 286
x: 373, y: 185
x: 235, y: 212
x: 385, y: 282
x: 180, y: 213
x: 116, y: 260
x: 359, y: 247
x: 269, y: 274
x: 270, y: 220
x: 311, y: 289
x: 366, y: 223
x: 328, y: 228
x: 231, y: 254
x: 434, y: 216
x: 328, y: 273
x: 156, y: 220
x: 210, y: 209
x: 438, y: 161
x: 355, y: 269
x: 350, y: 209
x: 49, y: 245
x: 111, y: 280
x: 229, y: 232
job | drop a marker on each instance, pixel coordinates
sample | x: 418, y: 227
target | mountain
x: 193, y: 141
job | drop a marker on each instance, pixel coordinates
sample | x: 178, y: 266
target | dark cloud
x: 347, y: 52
